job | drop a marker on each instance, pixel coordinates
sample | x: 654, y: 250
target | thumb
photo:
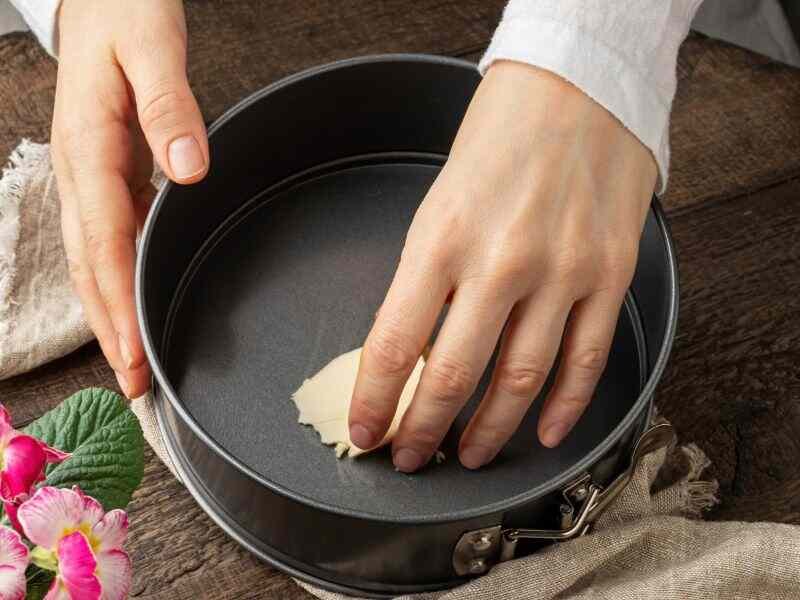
x: 167, y: 110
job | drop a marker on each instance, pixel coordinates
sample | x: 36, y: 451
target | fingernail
x: 407, y: 460
x: 555, y: 433
x: 361, y: 436
x: 474, y: 457
x: 125, y: 352
x: 185, y: 157
x: 123, y: 383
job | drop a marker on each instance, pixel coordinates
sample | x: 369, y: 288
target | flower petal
x: 11, y: 509
x: 57, y: 591
x: 23, y: 465
x: 48, y: 514
x: 92, y: 509
x: 53, y: 455
x: 76, y: 567
x: 12, y: 583
x: 7, y: 430
x: 13, y: 552
x: 111, y: 531
x: 114, y: 571
x: 6, y: 493
x: 13, y: 562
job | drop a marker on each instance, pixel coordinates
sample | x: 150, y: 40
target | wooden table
x: 733, y: 385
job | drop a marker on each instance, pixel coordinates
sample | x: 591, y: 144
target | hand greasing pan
x: 251, y: 281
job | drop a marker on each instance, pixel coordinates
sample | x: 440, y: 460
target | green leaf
x: 73, y: 421
x: 106, y: 443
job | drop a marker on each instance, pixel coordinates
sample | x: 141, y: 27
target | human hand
x: 532, y: 225
x: 122, y: 99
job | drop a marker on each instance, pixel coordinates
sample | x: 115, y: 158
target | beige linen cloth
x: 41, y: 319
x: 648, y: 545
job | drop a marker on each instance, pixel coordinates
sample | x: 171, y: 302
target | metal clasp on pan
x: 476, y: 551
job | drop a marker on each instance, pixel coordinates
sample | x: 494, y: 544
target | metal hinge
x: 583, y: 502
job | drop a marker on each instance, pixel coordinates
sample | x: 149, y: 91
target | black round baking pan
x: 252, y: 280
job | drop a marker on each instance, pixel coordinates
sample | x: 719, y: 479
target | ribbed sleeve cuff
x: 597, y: 70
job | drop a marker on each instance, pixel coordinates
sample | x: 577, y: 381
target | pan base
x: 294, y: 280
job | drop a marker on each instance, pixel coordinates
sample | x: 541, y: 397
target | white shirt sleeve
x: 621, y: 53
x: 42, y: 17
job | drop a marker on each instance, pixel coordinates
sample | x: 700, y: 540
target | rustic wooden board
x: 735, y: 124
x: 733, y: 383
x: 30, y: 395
x: 237, y: 47
x: 179, y: 553
x: 27, y: 89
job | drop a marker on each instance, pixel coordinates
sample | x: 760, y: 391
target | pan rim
x: 223, y: 519
x: 169, y: 393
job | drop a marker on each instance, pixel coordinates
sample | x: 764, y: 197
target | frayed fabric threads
x: 649, y: 544
x: 23, y: 165
x: 40, y: 318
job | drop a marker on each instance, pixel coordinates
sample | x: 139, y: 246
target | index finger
x: 108, y: 222
x: 400, y: 332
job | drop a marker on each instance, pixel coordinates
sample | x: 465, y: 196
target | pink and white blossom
x: 23, y: 459
x: 13, y: 562
x: 83, y: 543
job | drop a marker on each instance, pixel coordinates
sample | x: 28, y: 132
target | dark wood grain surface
x: 733, y: 384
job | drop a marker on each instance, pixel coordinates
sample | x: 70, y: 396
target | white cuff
x: 42, y: 17
x: 638, y: 94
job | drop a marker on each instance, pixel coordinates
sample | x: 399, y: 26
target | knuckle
x: 520, y: 376
x: 163, y: 107
x: 510, y: 267
x: 619, y: 262
x: 391, y: 352
x: 449, y: 380
x: 371, y: 409
x: 438, y: 255
x: 591, y: 359
x: 424, y: 438
x: 422, y: 255
x: 493, y: 435
x: 572, y: 262
x: 573, y: 403
x: 515, y: 257
x: 78, y: 273
x: 105, y: 249
x: 513, y: 268
x: 69, y: 140
x: 83, y: 147
x: 431, y: 243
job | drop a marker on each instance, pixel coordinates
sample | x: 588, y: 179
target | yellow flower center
x: 48, y: 559
x: 86, y: 530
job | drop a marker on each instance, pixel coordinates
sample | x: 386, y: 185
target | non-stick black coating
x: 296, y: 282
x: 401, y: 104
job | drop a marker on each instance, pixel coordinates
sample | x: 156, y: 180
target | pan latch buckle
x: 583, y: 501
